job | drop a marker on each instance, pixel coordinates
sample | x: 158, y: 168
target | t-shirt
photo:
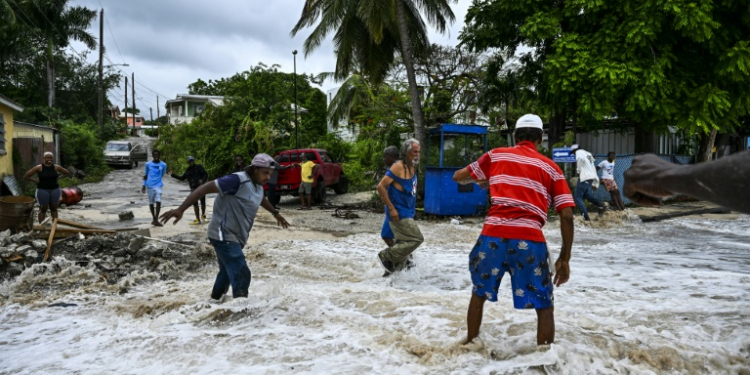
x: 235, y: 208
x: 154, y: 172
x: 523, y: 184
x: 307, y: 168
x: 405, y: 202
x: 608, y: 170
x: 585, y: 166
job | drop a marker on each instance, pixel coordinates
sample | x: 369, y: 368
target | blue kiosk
x: 458, y: 145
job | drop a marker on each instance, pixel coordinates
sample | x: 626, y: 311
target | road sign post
x: 563, y: 155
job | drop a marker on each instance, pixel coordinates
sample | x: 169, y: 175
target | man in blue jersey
x: 240, y: 194
x: 398, y: 190
x: 152, y: 182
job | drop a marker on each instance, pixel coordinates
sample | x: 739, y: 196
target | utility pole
x: 101, y: 69
x: 132, y: 87
x: 157, y: 116
x: 152, y: 113
x: 296, y: 118
x: 126, y: 104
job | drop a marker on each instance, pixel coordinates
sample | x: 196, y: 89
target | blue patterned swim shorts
x: 527, y: 263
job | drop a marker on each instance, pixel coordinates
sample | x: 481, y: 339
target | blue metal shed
x: 457, y: 147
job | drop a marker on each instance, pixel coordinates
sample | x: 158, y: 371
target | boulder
x: 39, y: 244
x: 19, y: 237
x: 23, y: 249
x: 136, y: 244
x: 126, y: 215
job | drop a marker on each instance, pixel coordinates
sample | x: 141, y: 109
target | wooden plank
x: 49, y: 240
x: 77, y: 230
x: 77, y: 225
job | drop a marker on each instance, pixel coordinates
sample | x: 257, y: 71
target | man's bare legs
x: 545, y: 333
x: 545, y: 329
x: 617, y: 200
x: 388, y: 241
x: 474, y: 317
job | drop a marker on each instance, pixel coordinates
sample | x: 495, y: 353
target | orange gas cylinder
x: 71, y: 195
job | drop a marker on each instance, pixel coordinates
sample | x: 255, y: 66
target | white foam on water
x: 658, y: 298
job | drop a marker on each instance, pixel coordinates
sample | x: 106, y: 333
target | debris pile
x: 113, y: 256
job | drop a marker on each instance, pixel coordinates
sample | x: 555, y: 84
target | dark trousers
x: 273, y: 196
x: 233, y: 270
x: 584, y: 191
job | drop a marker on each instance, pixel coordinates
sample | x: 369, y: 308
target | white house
x: 185, y: 107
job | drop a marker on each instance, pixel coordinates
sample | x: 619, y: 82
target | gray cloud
x: 170, y: 44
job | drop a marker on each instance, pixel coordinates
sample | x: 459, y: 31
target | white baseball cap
x: 529, y: 121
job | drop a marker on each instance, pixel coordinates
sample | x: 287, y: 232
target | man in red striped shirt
x: 523, y: 184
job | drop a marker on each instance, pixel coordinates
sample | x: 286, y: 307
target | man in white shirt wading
x: 587, y: 177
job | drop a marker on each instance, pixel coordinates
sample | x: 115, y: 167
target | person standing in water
x: 47, y: 188
x: 523, y: 183
x: 239, y: 197
x: 398, y: 190
x: 390, y: 156
x: 152, y: 181
x: 608, y: 179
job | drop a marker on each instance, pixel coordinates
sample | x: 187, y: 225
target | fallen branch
x: 49, y: 240
x: 77, y: 230
x: 77, y: 225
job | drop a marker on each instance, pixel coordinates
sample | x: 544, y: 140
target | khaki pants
x: 408, y: 237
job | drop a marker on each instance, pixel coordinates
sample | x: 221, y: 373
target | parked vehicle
x: 124, y: 153
x: 329, y: 175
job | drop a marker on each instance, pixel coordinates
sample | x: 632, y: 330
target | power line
x: 113, y: 35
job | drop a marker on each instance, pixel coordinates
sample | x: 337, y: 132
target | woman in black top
x: 47, y: 188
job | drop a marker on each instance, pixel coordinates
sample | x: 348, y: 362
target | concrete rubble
x: 113, y: 256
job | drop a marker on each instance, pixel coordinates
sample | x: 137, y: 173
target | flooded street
x: 659, y: 298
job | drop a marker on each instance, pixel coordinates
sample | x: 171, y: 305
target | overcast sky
x: 169, y: 44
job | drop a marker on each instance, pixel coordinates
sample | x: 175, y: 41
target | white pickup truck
x: 124, y: 153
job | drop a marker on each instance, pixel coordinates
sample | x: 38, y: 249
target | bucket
x: 71, y: 195
x: 15, y: 212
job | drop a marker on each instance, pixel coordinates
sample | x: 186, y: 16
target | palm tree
x: 369, y: 33
x: 57, y: 24
x: 7, y: 15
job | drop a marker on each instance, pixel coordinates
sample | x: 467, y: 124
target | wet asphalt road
x: 120, y: 190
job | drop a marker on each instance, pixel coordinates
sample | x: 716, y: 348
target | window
x: 325, y: 158
x: 3, y: 151
x: 284, y: 158
x: 295, y: 157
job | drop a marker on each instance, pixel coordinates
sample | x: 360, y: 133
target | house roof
x: 10, y: 103
x: 213, y: 99
x: 20, y: 123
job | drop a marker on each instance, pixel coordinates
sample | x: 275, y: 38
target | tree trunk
x: 416, y: 104
x: 707, y: 146
x: 556, y: 127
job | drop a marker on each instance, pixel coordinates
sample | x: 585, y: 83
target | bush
x: 82, y: 148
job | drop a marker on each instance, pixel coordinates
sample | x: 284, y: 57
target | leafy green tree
x: 257, y: 116
x: 656, y: 63
x: 56, y: 24
x: 368, y: 34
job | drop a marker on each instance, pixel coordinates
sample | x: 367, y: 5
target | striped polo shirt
x: 523, y: 185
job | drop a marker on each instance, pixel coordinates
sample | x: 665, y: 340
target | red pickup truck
x: 328, y: 175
